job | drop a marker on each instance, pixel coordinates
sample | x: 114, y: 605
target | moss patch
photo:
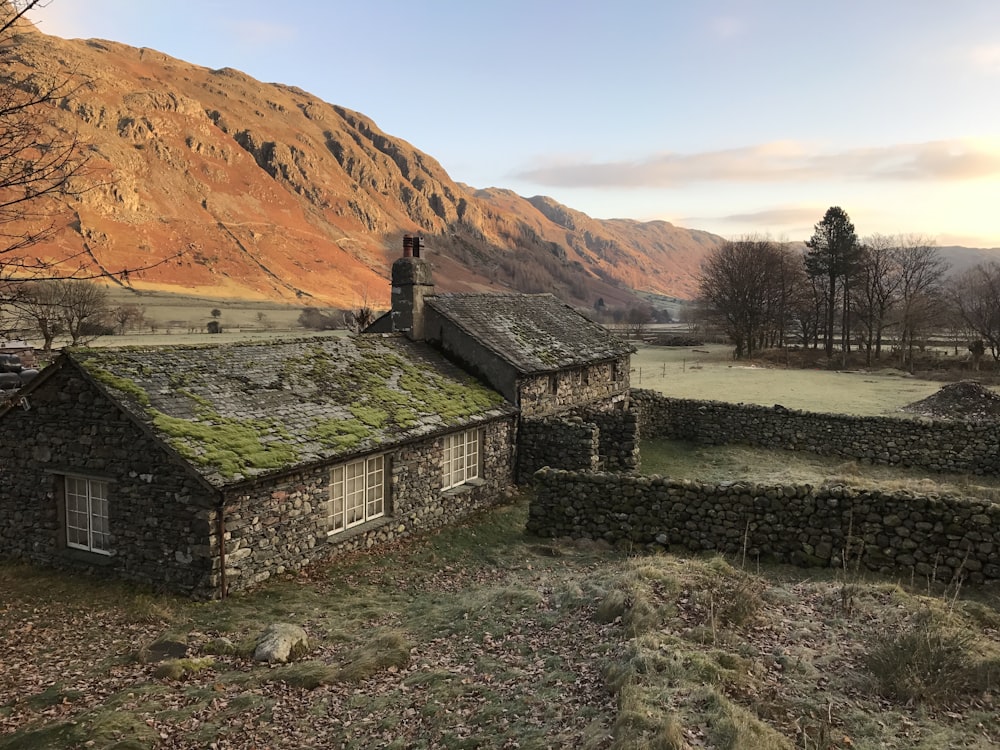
x: 121, y: 384
x: 230, y: 445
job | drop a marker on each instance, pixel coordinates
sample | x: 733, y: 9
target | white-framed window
x: 357, y: 493
x: 460, y: 462
x: 87, y: 515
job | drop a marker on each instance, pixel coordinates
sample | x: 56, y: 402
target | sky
x: 736, y: 117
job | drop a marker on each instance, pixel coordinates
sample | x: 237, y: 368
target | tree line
x: 846, y: 293
x: 78, y: 309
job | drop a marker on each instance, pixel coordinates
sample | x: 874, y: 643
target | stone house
x: 567, y: 376
x: 209, y: 469
x: 541, y: 354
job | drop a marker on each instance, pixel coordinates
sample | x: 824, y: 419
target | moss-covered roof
x: 535, y: 333
x: 239, y: 410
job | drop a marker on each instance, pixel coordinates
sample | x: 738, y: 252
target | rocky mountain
x: 269, y: 193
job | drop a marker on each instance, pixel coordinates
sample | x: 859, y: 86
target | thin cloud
x: 986, y: 57
x: 726, y: 27
x: 262, y: 32
x: 783, y: 161
x: 776, y: 216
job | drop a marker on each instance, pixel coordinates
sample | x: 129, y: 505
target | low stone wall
x: 935, y: 445
x: 586, y: 440
x: 618, y: 438
x: 934, y: 537
x: 563, y: 442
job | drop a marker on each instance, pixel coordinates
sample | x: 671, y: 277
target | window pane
x: 335, y: 510
x: 472, y: 455
x: 376, y: 473
x: 355, y: 493
x: 87, y: 525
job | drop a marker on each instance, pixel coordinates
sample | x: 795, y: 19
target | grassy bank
x: 479, y: 636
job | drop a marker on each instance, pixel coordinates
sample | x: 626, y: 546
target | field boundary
x: 933, y: 444
x: 942, y: 538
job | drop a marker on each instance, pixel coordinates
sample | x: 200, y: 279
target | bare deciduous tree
x: 53, y: 307
x: 921, y: 272
x: 41, y: 165
x: 748, y: 286
x: 975, y: 294
x: 36, y: 306
x: 126, y: 317
x: 875, y: 291
x: 84, y: 308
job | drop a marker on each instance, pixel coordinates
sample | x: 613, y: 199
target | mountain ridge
x: 267, y: 192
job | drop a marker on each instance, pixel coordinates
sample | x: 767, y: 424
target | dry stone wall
x: 934, y: 537
x: 563, y: 442
x: 588, y: 440
x: 935, y: 445
x: 618, y: 438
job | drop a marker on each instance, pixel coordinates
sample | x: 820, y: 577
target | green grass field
x: 709, y: 373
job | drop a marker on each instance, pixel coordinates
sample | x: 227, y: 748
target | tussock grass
x: 933, y: 659
x: 386, y: 648
x: 641, y: 724
x: 732, y: 727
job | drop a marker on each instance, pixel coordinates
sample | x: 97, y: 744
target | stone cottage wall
x: 935, y: 445
x: 281, y: 526
x: 605, y: 384
x: 942, y: 537
x: 159, y: 514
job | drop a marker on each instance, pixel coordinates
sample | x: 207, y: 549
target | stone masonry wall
x: 619, y: 438
x: 282, y: 526
x: 935, y: 445
x: 942, y: 537
x: 559, y: 442
x: 605, y: 383
x: 159, y: 514
x: 584, y: 440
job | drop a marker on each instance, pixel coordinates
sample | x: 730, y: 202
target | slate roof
x: 535, y: 333
x: 235, y: 411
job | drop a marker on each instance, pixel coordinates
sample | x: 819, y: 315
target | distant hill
x: 963, y: 258
x: 273, y: 194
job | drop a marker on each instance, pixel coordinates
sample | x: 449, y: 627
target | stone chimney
x: 411, y: 282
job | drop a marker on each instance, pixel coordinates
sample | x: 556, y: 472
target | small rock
x: 281, y: 642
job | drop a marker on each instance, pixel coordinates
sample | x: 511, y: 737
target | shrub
x: 928, y: 662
